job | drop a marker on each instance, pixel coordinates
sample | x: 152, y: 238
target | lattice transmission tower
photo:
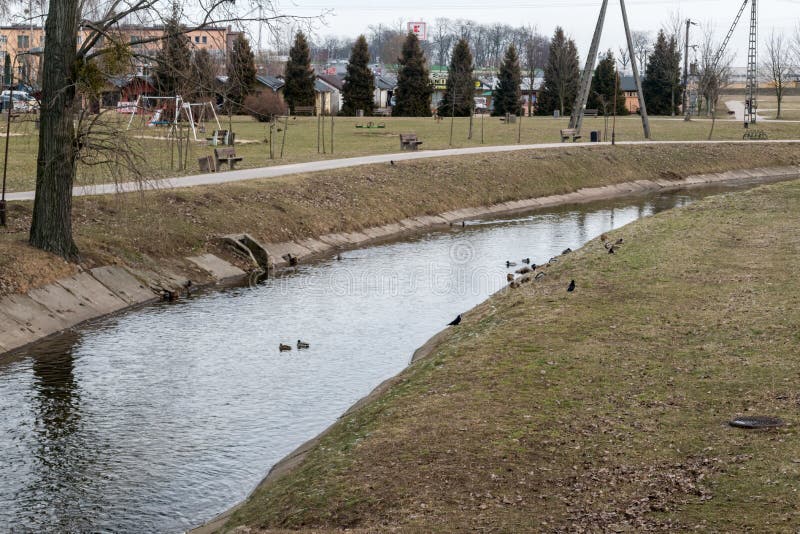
x: 751, y: 104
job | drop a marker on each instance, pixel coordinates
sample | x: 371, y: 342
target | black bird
x: 611, y: 249
x: 463, y: 224
x: 338, y: 257
x: 571, y: 287
x: 566, y: 251
x: 456, y: 321
x: 391, y: 162
x: 189, y: 287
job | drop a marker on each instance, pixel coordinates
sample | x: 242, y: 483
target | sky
x: 579, y: 17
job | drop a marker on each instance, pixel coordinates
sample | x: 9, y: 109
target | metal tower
x: 751, y: 105
x: 576, y: 120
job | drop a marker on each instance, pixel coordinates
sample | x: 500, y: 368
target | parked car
x: 23, y: 102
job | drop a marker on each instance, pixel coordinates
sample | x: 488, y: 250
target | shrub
x: 265, y: 106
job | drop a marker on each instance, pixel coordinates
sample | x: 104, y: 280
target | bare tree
x: 778, y: 64
x: 642, y: 45
x: 63, y: 66
x: 713, y: 76
x: 624, y: 58
x: 535, y: 50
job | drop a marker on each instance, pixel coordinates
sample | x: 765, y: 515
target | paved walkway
x: 327, y: 165
x: 737, y: 106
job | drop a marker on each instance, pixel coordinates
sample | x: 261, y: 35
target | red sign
x: 420, y: 29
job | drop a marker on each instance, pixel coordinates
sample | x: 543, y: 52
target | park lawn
x: 157, y: 157
x: 151, y: 229
x: 601, y: 410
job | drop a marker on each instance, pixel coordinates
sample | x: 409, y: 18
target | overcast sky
x: 578, y: 17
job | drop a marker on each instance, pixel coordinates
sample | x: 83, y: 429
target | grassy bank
x: 158, y: 158
x: 604, y: 409
x: 158, y: 229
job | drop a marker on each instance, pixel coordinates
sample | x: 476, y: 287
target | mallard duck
x: 566, y: 251
x: 510, y: 264
x: 169, y: 295
x: 509, y: 277
x: 284, y: 348
x: 302, y: 345
x: 527, y: 261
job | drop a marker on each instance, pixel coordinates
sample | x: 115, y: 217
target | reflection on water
x: 158, y: 419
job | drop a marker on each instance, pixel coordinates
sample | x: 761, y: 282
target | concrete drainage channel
x: 91, y: 294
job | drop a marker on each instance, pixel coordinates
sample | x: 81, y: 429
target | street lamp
x: 10, y: 109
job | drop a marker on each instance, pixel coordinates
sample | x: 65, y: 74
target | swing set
x: 170, y: 111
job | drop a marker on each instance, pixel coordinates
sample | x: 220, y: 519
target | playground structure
x: 171, y: 111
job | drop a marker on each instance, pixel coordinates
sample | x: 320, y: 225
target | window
x: 196, y: 38
x: 205, y: 39
x: 23, y: 41
x: 3, y: 39
x: 79, y: 40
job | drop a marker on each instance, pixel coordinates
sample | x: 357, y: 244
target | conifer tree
x: 561, y: 76
x: 241, y: 72
x: 506, y: 96
x: 204, y: 74
x: 173, y: 72
x: 414, y: 90
x: 604, y: 86
x: 299, y: 88
x: 359, y: 83
x: 460, y: 83
x: 662, y: 89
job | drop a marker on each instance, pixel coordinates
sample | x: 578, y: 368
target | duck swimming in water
x: 302, y: 345
x: 284, y: 348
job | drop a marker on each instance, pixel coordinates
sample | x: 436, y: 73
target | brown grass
x: 600, y: 410
x: 151, y: 229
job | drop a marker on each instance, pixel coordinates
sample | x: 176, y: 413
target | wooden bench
x: 591, y: 113
x: 409, y: 142
x: 383, y: 112
x: 566, y: 133
x: 219, y: 137
x: 226, y: 155
x: 305, y: 110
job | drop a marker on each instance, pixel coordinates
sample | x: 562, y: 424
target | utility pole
x: 689, y: 24
x: 635, y: 68
x: 576, y: 119
x: 586, y: 79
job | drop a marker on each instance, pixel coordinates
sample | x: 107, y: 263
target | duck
x: 302, y: 345
x: 169, y: 295
x: 566, y: 251
x: 510, y: 264
x: 539, y: 276
x: 604, y: 238
x: 291, y: 260
x: 284, y: 348
x: 189, y: 287
x: 526, y: 261
x: 611, y: 249
x: 509, y: 277
x: 524, y: 270
x: 619, y: 241
x: 553, y: 260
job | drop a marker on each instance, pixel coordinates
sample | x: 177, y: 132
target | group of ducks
x: 282, y: 347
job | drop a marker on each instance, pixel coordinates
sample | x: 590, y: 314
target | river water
x: 157, y: 419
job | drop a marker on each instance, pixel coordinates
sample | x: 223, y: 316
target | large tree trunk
x: 51, y: 229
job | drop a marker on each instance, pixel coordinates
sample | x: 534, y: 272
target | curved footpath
x: 605, y: 409
x: 327, y: 165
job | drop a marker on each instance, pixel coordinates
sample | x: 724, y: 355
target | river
x: 159, y: 418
